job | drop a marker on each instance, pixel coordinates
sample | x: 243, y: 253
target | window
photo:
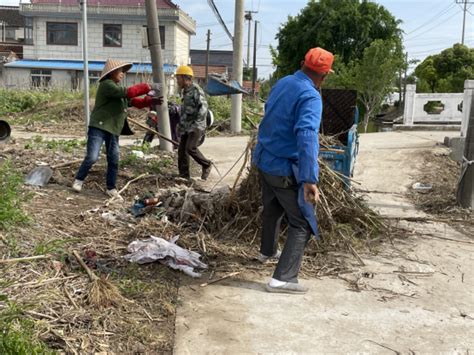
x: 40, y: 77
x: 112, y: 35
x: 94, y: 77
x: 10, y: 34
x: 162, y: 36
x: 62, y: 33
x: 28, y: 30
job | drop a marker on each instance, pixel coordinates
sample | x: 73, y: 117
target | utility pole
x: 154, y: 42
x: 248, y: 17
x: 254, y: 72
x: 465, y: 193
x: 236, y: 116
x: 464, y: 21
x: 465, y: 2
x: 207, y: 53
x: 405, y: 78
x: 85, y: 58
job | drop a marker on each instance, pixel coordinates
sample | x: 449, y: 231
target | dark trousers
x: 280, y: 198
x: 188, y: 146
x: 95, y: 138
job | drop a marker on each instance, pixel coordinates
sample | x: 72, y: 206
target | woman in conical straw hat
x: 109, y: 120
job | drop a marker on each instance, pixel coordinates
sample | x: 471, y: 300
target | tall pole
x: 254, y: 72
x: 207, y: 53
x: 158, y: 72
x: 248, y: 17
x: 236, y: 115
x: 465, y: 193
x: 85, y: 58
x: 405, y: 78
x: 464, y: 21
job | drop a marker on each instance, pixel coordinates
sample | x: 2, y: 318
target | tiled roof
x: 247, y: 85
x: 161, y: 4
x: 200, y: 70
x: 11, y: 16
x: 7, y: 48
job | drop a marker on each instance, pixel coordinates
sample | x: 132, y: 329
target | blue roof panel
x: 78, y: 65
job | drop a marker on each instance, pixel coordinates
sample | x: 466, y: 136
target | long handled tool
x: 102, y: 292
x: 152, y: 131
x: 40, y: 175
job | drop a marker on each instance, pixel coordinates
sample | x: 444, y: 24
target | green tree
x: 372, y: 76
x: 345, y: 28
x: 427, y: 72
x: 447, y: 71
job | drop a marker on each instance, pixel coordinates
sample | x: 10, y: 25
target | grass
x: 55, y: 246
x: 16, y: 332
x: 14, y: 101
x: 62, y: 145
x: 11, y: 196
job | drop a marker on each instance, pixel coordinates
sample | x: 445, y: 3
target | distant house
x: 52, y: 54
x: 12, y: 25
x: 220, y: 62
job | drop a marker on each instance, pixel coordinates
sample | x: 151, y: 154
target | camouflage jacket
x: 193, y: 109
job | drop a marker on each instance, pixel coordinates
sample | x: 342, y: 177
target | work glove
x: 138, y: 90
x: 147, y: 101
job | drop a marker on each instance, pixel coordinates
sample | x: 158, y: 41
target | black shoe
x: 205, y: 172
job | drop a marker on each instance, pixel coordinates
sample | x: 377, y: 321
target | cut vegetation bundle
x: 345, y: 221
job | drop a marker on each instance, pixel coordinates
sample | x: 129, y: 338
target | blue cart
x: 340, y: 119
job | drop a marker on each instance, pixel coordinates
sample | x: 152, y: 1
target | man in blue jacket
x: 287, y: 158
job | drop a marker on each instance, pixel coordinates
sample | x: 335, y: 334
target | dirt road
x: 415, y: 296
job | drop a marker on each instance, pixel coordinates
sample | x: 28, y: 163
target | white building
x: 52, y: 54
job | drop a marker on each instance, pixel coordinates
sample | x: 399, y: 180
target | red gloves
x: 138, y: 90
x: 147, y: 101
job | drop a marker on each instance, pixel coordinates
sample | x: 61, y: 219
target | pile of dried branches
x: 345, y: 220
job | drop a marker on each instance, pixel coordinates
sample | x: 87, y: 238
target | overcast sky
x: 429, y: 25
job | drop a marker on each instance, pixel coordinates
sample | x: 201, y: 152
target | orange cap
x: 319, y: 60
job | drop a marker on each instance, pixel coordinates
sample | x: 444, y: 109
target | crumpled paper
x: 167, y: 252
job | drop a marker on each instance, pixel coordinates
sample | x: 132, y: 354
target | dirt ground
x: 51, y: 291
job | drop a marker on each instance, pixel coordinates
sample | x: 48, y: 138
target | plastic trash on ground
x: 144, y: 205
x: 167, y: 252
x: 421, y: 187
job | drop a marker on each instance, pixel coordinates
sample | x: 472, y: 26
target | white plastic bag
x: 167, y: 252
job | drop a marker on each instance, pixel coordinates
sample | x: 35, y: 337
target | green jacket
x: 110, y: 110
x: 193, y: 110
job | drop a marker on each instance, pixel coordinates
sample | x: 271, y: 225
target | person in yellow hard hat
x: 192, y: 123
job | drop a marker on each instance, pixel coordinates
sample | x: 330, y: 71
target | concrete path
x: 418, y: 296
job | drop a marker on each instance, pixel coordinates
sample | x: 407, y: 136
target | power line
x: 213, y: 24
x: 442, y: 12
x: 436, y: 25
x: 219, y: 18
x: 430, y: 51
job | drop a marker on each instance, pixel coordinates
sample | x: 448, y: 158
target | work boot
x: 114, y: 194
x: 287, y: 287
x: 205, y: 172
x: 77, y: 185
x: 263, y: 258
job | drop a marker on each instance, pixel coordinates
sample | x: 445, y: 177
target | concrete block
x: 457, y: 147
